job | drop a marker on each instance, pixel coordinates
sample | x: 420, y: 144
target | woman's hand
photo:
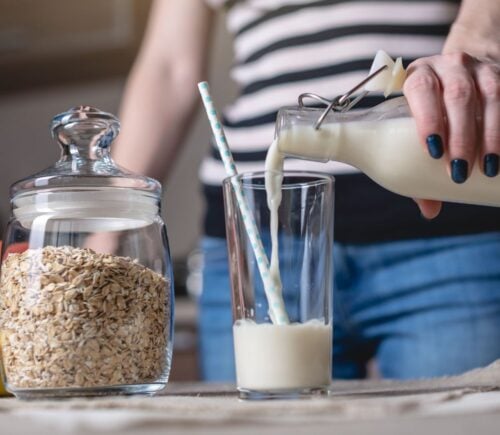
x: 455, y: 100
x: 455, y: 97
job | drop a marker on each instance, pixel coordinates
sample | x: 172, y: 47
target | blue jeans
x: 422, y: 308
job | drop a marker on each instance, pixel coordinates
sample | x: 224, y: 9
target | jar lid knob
x: 85, y: 123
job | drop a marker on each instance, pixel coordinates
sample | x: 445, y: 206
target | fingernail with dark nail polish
x: 435, y: 146
x: 459, y: 169
x: 491, y: 164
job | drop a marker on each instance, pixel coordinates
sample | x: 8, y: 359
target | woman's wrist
x: 476, y: 30
x: 479, y: 43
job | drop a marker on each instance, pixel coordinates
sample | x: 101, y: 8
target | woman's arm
x: 161, y: 95
x: 462, y: 87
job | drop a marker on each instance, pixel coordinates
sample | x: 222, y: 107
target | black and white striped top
x: 283, y: 48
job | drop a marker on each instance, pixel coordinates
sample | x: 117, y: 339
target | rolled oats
x: 71, y: 317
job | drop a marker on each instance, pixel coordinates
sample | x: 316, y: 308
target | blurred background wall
x: 56, y: 54
x: 39, y: 77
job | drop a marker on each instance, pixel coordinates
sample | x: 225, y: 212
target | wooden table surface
x: 441, y: 406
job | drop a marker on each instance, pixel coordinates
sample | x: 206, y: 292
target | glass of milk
x: 282, y: 359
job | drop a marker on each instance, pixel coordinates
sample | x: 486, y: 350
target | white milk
x: 273, y: 181
x: 390, y: 153
x: 282, y: 357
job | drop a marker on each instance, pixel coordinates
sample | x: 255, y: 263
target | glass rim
x: 316, y: 179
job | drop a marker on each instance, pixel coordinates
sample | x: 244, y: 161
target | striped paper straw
x: 277, y: 309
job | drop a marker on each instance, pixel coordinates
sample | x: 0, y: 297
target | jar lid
x: 85, y: 189
x: 85, y: 134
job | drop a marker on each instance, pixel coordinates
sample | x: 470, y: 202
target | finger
x: 488, y: 85
x: 429, y: 208
x: 422, y: 90
x: 459, y: 97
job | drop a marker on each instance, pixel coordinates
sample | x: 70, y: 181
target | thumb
x: 429, y: 208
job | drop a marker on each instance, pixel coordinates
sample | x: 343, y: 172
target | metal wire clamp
x: 342, y: 103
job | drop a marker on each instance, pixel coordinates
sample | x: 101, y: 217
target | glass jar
x: 86, y: 296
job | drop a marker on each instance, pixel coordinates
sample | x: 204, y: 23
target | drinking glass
x: 293, y: 359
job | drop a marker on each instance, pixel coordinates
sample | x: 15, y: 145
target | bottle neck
x: 307, y: 143
x: 343, y: 136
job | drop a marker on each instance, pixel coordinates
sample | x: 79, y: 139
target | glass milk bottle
x: 86, y: 295
x: 383, y: 143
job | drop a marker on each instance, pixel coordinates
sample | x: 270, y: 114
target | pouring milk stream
x: 306, y: 142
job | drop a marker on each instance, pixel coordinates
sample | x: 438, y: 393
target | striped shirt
x: 283, y: 48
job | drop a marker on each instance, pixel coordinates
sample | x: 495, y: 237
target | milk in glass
x: 282, y: 357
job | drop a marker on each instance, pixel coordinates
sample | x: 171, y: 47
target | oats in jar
x: 71, y: 317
